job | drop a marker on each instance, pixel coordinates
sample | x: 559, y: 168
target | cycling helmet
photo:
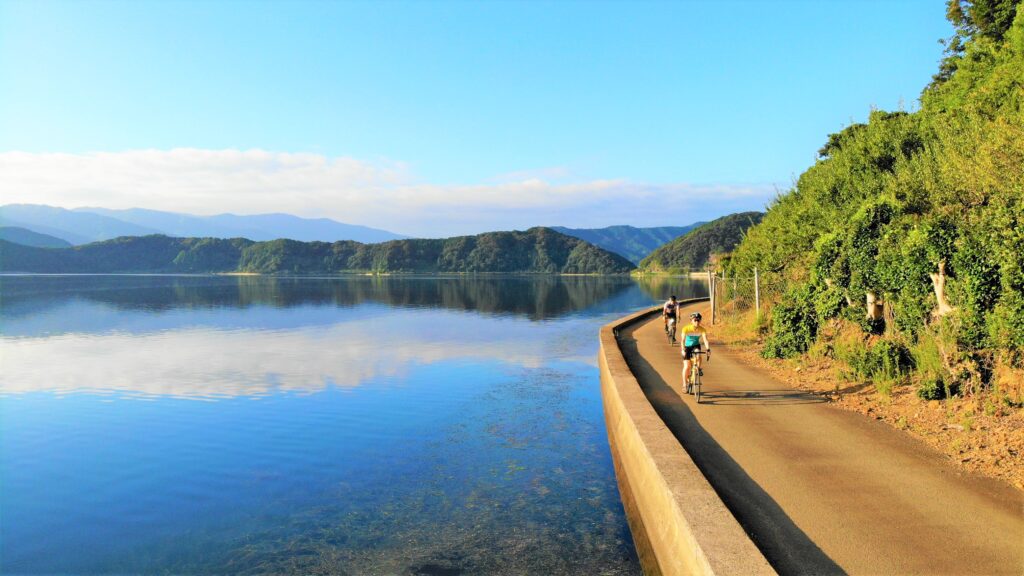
x: 696, y: 316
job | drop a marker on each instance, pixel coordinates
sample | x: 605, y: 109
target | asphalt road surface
x: 822, y: 490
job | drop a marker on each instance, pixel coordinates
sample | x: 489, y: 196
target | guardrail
x: 679, y: 524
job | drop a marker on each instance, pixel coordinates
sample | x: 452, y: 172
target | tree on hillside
x: 989, y: 19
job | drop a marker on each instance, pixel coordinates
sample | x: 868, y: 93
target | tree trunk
x: 939, y: 284
x: 875, y: 306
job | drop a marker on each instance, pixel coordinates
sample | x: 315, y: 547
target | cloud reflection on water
x: 207, y: 363
x: 208, y: 337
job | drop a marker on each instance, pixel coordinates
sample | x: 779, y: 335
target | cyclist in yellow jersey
x: 692, y: 335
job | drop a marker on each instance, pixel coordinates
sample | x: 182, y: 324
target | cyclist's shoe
x: 700, y: 371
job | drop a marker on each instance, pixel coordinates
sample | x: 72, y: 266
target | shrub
x: 889, y: 360
x: 931, y: 389
x: 883, y: 363
x: 865, y: 229
x: 829, y: 302
x: 934, y: 381
x: 975, y: 287
x: 1006, y: 323
x: 794, y: 324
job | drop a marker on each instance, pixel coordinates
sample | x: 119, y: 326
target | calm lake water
x: 195, y: 424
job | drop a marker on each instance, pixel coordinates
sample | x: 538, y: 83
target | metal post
x: 714, y: 302
x: 757, y: 293
x: 711, y: 291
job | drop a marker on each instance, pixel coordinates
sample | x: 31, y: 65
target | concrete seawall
x: 679, y: 523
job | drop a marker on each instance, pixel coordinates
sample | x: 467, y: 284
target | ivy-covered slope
x: 692, y: 251
x: 538, y: 250
x: 922, y: 212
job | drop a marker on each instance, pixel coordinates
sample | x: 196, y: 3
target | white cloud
x: 380, y: 194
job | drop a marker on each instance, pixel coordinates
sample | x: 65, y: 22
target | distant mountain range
x: 538, y: 250
x: 27, y: 237
x: 633, y: 243
x: 84, y: 225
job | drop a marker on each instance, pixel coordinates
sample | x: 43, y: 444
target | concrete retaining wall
x: 679, y: 524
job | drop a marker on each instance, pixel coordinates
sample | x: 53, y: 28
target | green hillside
x: 538, y: 250
x: 922, y: 211
x: 633, y: 243
x: 692, y: 251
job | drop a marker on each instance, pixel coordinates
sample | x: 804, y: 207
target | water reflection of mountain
x: 535, y: 297
x: 659, y: 288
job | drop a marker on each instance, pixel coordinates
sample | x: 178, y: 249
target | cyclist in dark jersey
x: 669, y: 310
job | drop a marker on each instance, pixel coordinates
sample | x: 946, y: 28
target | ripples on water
x: 260, y: 425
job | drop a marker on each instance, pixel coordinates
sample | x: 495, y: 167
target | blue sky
x: 436, y: 118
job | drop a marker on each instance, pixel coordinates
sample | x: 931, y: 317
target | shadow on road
x: 763, y: 397
x: 787, y: 548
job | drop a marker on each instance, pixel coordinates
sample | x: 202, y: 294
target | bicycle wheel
x: 697, y: 386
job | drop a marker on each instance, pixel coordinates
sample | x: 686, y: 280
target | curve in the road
x: 821, y: 490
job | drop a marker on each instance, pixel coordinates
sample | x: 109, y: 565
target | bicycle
x: 696, y: 372
x: 670, y: 331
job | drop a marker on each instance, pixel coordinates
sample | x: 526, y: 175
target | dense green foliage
x: 794, y: 324
x: 538, y: 250
x: 633, y: 243
x: 692, y: 251
x: 900, y: 205
x: 27, y: 237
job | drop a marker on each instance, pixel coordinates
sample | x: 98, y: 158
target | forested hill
x: 692, y: 251
x: 538, y: 250
x: 922, y: 215
x: 633, y: 243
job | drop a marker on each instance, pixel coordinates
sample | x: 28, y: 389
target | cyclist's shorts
x: 690, y: 351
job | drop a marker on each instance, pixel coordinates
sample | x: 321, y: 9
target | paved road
x: 822, y: 490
